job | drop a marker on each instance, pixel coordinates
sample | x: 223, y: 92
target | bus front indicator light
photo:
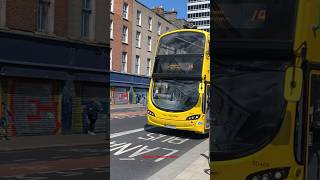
x: 276, y: 174
x: 151, y: 113
x: 266, y: 177
x: 193, y: 117
x: 256, y: 178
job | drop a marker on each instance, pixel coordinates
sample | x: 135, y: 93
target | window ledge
x: 45, y: 34
x: 4, y: 27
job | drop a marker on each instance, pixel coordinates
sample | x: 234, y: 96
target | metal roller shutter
x: 34, y: 108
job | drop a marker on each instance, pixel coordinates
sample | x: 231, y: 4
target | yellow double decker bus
x: 265, y: 106
x: 180, y: 82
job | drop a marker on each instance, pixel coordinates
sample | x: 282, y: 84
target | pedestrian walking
x: 144, y: 100
x: 92, y: 109
x: 85, y: 121
x: 138, y: 98
x: 4, y: 123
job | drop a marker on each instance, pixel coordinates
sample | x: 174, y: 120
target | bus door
x: 313, y: 146
x: 206, y: 105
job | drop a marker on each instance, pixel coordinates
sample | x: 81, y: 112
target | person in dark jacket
x: 144, y: 100
x: 92, y: 109
x: 4, y: 122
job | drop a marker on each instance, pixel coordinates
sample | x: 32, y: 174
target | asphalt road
x: 138, y: 151
x: 72, y: 163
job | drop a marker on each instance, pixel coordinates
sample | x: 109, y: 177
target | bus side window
x: 316, y: 116
x: 314, y: 129
x: 315, y: 103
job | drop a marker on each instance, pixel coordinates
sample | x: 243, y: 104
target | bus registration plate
x: 170, y: 127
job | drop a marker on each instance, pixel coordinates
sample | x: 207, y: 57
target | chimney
x: 171, y: 15
x: 159, y: 10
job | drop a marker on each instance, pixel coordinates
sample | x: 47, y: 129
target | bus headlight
x: 270, y: 174
x: 151, y: 113
x: 193, y: 117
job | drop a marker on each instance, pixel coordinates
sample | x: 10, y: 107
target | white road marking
x: 27, y: 177
x: 130, y: 132
x: 47, y: 172
x: 77, y: 169
x: 20, y: 160
x: 66, y: 174
x: 127, y: 159
x: 59, y: 157
x: 72, y: 174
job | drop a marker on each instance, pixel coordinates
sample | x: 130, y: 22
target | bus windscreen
x: 180, y: 55
x: 253, y: 20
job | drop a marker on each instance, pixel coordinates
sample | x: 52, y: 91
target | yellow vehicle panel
x: 178, y: 120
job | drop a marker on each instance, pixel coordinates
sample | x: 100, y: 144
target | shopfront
x: 45, y: 84
x: 127, y: 88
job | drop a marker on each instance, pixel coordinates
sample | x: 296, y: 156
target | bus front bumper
x: 196, y: 126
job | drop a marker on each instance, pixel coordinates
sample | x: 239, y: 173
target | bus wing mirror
x: 293, y: 84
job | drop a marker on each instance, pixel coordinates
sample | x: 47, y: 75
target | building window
x: 149, y: 43
x: 148, y: 66
x: 125, y: 11
x: 137, y: 67
x: 150, y: 24
x: 124, y: 62
x: 125, y: 34
x: 111, y: 29
x: 159, y: 28
x: 139, y: 18
x: 43, y: 15
x: 110, y: 60
x: 111, y: 5
x: 3, y: 12
x: 138, y: 39
x: 85, y: 19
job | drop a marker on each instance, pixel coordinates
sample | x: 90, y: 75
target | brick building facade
x: 117, y: 44
x: 53, y: 62
x: 134, y: 32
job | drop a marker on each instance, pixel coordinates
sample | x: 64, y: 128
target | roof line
x: 156, y: 13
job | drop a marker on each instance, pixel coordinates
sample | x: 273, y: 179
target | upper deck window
x: 181, y: 43
x: 253, y: 20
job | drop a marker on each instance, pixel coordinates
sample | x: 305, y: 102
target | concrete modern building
x: 53, y: 60
x: 199, y: 13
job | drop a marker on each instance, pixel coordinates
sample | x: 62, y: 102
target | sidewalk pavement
x: 190, y: 166
x: 126, y: 106
x: 34, y: 142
